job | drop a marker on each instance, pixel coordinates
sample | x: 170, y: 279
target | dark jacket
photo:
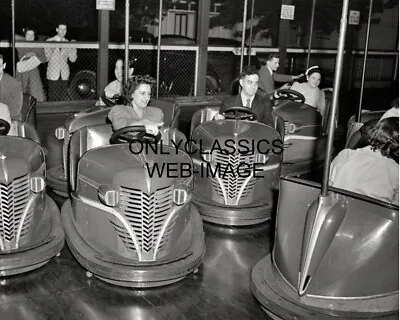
x: 261, y: 106
x: 11, y: 95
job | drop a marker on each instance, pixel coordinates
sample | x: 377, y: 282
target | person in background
x: 28, y: 67
x: 248, y: 97
x: 268, y: 74
x: 114, y: 88
x: 372, y: 170
x: 58, y: 69
x: 314, y: 96
x: 10, y: 92
x: 137, y: 94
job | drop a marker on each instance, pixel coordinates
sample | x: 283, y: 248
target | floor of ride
x: 220, y: 290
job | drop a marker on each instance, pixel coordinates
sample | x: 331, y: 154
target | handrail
x: 95, y: 45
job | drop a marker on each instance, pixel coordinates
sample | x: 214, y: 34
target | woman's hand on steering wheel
x: 134, y: 133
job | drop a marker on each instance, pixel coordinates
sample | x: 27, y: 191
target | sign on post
x: 287, y: 12
x: 105, y: 4
x: 354, y: 17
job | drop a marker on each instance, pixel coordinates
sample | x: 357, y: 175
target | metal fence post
x: 203, y: 24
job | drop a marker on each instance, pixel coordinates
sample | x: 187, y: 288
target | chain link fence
x: 178, y: 74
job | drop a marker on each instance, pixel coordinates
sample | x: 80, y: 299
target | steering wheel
x: 114, y: 100
x: 4, y: 127
x: 289, y: 94
x: 133, y: 133
x: 248, y: 113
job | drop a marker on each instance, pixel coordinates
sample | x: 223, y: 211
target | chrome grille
x: 285, y: 143
x: 146, y: 214
x: 232, y: 182
x: 67, y: 137
x: 13, y: 199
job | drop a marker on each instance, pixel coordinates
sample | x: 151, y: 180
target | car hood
x: 116, y: 165
x: 296, y: 112
x: 18, y: 157
x: 208, y: 133
x: 91, y: 116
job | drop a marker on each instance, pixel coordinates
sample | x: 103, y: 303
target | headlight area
x: 60, y: 133
x: 108, y: 196
x: 37, y: 183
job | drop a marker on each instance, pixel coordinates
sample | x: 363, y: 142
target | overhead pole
x: 126, y: 64
x: 251, y: 32
x: 243, y: 34
x: 311, y: 33
x: 159, y: 47
x: 335, y: 104
x: 13, y: 35
x: 358, y: 115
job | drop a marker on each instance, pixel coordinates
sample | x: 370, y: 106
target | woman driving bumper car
x: 128, y: 222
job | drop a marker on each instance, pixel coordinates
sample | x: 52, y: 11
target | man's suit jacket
x: 267, y: 80
x: 11, y: 95
x: 58, y: 60
x: 261, y: 106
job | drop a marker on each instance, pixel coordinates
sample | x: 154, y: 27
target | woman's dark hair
x: 131, y: 62
x: 395, y: 103
x: 133, y: 83
x: 385, y: 138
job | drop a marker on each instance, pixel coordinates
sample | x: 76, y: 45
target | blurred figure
x: 373, y: 170
x: 28, y: 67
x: 115, y: 87
x: 10, y: 92
x: 58, y: 69
x: 268, y: 74
x: 314, y: 96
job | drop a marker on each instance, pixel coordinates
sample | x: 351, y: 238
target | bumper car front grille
x: 13, y: 200
x: 65, y: 152
x: 232, y: 185
x: 146, y: 214
x: 285, y: 143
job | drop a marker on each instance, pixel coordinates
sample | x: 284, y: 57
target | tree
x: 327, y: 13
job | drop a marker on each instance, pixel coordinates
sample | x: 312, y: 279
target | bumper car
x: 336, y: 257
x: 30, y: 226
x: 127, y: 221
x: 237, y: 164
x: 57, y: 176
x: 301, y: 126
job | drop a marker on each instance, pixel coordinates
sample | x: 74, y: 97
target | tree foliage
x: 327, y: 13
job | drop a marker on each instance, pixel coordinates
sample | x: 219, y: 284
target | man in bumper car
x: 137, y: 93
x: 249, y: 98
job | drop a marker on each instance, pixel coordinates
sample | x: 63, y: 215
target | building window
x: 181, y: 24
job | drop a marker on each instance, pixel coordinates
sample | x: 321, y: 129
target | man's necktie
x: 248, y: 104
